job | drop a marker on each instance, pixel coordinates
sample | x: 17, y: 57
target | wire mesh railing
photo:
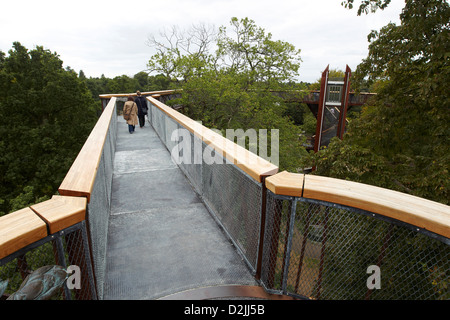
x: 320, y: 250
x: 297, y: 245
x: 231, y: 195
x: 67, y: 249
x: 309, y: 248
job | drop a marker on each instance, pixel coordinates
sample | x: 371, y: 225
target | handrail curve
x: 422, y: 213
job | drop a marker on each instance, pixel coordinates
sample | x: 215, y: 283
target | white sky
x: 108, y: 37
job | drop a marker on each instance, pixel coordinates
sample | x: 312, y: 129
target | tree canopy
x: 401, y: 140
x: 230, y: 88
x: 47, y: 114
x: 367, y: 6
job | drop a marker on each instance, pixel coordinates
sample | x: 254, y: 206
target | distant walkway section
x: 161, y: 240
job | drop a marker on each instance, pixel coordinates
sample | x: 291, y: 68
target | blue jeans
x: 131, y: 128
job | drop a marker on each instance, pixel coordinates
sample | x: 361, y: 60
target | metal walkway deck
x: 161, y: 239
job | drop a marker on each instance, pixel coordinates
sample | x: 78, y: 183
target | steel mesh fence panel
x: 235, y: 200
x: 192, y: 155
x: 68, y: 249
x: 334, y: 252
x: 276, y: 231
x: 170, y: 128
x: 158, y: 122
x: 232, y: 196
x: 149, y: 112
x: 99, y: 206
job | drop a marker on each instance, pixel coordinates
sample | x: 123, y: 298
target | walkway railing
x: 334, y: 239
x: 301, y: 235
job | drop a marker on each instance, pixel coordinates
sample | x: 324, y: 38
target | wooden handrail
x: 124, y: 95
x: 80, y: 178
x: 253, y: 165
x: 28, y: 225
x: 416, y: 211
x: 286, y: 183
x: 19, y: 229
x: 61, y: 212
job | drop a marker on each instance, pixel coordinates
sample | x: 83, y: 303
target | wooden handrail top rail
x: 253, y: 165
x: 423, y: 213
x: 61, y: 212
x: 124, y: 95
x: 80, y: 178
x: 286, y: 183
x: 28, y: 225
x: 19, y: 229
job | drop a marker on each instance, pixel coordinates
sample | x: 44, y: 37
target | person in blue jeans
x: 130, y: 109
x: 142, y: 108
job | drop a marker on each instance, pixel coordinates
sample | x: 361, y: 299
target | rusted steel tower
x: 332, y: 109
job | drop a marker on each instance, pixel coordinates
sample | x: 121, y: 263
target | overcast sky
x: 109, y: 37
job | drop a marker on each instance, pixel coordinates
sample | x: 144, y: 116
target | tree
x: 401, y: 141
x: 367, y: 5
x: 179, y: 53
x: 231, y: 88
x: 46, y: 115
x: 252, y: 51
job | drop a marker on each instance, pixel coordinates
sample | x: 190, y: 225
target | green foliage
x: 124, y: 84
x: 231, y: 89
x: 401, y: 141
x: 251, y: 51
x: 46, y: 115
x: 366, y: 5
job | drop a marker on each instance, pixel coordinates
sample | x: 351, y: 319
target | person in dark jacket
x: 142, y: 108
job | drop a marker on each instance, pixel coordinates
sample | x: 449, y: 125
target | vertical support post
x: 285, y: 243
x: 386, y: 242
x: 273, y: 251
x: 22, y: 265
x: 344, y: 103
x: 261, y: 229
x: 81, y: 257
x: 322, y: 253
x: 61, y: 260
x: 87, y: 258
x: 288, y: 247
x: 302, y: 251
x: 86, y: 234
x: 320, y: 110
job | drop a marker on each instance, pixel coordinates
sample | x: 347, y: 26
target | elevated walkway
x: 161, y: 239
x: 138, y: 226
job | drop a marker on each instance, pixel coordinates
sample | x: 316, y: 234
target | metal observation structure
x: 137, y: 224
x: 332, y: 108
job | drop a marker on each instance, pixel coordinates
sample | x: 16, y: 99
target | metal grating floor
x: 161, y: 240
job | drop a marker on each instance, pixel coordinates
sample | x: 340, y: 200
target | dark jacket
x: 142, y: 105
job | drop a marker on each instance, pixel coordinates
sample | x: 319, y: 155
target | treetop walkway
x: 138, y: 223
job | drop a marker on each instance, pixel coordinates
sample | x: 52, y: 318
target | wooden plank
x: 423, y: 213
x: 19, y: 229
x: 286, y: 183
x: 255, y: 166
x: 61, y: 212
x: 80, y: 178
x: 124, y: 95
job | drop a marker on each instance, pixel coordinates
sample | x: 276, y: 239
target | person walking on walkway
x: 130, y: 111
x: 142, y: 108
